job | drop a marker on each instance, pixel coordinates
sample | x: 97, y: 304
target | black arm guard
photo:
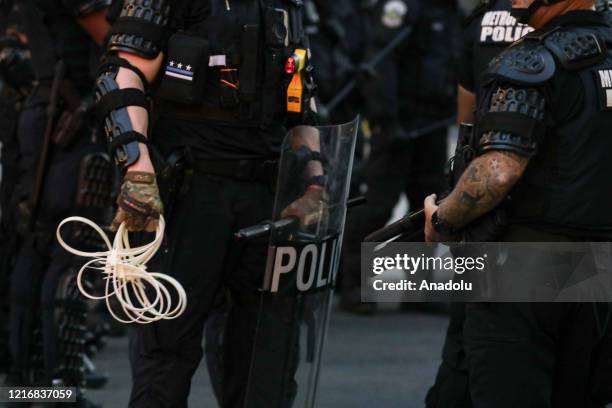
x: 81, y: 8
x: 514, y: 121
x: 141, y: 28
x: 123, y: 139
x: 515, y: 117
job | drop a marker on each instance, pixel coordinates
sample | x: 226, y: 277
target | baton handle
x: 262, y: 230
x: 408, y: 225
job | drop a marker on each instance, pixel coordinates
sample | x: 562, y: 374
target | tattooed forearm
x: 485, y: 183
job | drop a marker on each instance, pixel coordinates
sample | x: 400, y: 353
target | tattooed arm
x: 482, y: 187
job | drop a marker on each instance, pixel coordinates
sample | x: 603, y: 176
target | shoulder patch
x: 576, y: 50
x: 526, y: 63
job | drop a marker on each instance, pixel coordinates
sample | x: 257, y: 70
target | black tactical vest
x: 568, y: 184
x: 249, y: 46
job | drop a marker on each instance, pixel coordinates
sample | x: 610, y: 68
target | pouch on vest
x: 185, y: 71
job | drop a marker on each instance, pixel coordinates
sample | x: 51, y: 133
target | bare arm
x: 483, y: 186
x: 138, y: 115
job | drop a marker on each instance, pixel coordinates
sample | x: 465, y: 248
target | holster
x: 71, y: 122
x: 251, y: 170
x: 75, y: 112
x: 174, y: 177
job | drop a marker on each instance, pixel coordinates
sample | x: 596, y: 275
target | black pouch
x: 185, y: 70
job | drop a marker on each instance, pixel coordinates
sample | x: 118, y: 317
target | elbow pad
x: 141, y: 28
x: 112, y: 103
x: 515, y: 121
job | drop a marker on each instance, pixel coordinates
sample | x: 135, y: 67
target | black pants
x: 40, y: 261
x: 201, y: 253
x: 511, y: 355
x: 8, y: 235
x: 416, y: 169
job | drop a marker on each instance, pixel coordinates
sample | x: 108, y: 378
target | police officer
x: 413, y: 88
x: 487, y: 31
x: 58, y: 34
x: 501, y: 341
x: 221, y: 111
x: 15, y: 78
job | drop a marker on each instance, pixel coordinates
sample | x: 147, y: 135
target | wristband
x: 442, y: 227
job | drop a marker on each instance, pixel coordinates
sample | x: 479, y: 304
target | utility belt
x: 177, y: 171
x: 258, y: 171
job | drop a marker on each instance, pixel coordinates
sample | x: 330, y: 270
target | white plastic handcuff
x: 143, y: 296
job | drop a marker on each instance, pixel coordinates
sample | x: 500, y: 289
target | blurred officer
x: 413, y: 88
x: 64, y: 31
x: 487, y: 31
x: 224, y: 69
x: 338, y: 35
x: 15, y: 79
x: 536, y: 96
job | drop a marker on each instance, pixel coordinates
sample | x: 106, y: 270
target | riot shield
x: 303, y: 257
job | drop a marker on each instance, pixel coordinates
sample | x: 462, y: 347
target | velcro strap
x: 511, y: 122
x: 132, y: 206
x: 139, y: 27
x: 121, y: 98
x: 126, y: 138
x: 115, y: 61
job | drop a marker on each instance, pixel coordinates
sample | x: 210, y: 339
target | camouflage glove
x: 310, y: 209
x: 139, y: 203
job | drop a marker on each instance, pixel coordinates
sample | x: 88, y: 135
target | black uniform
x: 41, y: 263
x: 414, y: 87
x: 226, y: 131
x: 557, y: 101
x: 489, y: 30
x: 15, y: 77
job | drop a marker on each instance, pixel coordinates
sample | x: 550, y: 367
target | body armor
x: 569, y: 68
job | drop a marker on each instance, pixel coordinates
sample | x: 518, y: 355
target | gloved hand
x: 310, y: 209
x: 139, y: 203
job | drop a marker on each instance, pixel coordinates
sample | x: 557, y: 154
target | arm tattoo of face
x: 483, y: 186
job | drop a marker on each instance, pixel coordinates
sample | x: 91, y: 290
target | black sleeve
x: 466, y: 56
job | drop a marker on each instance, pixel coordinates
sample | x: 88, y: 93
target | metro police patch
x: 179, y: 71
x: 394, y: 13
x: 603, y: 77
x: 499, y: 27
